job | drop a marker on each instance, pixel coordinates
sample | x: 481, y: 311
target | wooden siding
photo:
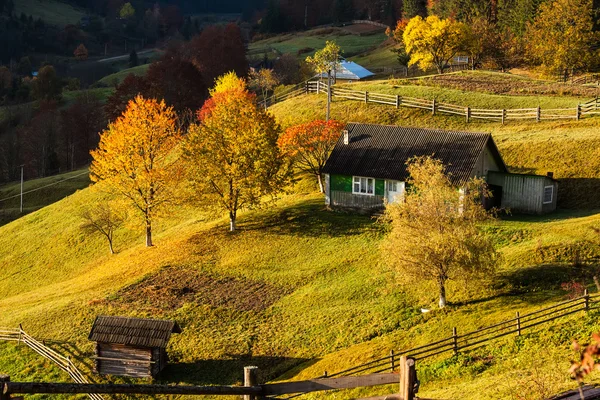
x: 345, y: 199
x: 121, y: 360
x: 524, y: 193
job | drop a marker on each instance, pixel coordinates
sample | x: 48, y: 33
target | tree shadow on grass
x: 558, y: 215
x: 310, y: 218
x: 229, y: 371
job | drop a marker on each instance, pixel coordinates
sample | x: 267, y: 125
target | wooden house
x: 132, y: 347
x: 367, y: 167
x: 527, y: 194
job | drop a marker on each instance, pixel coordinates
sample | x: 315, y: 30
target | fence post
x: 366, y: 97
x: 468, y: 113
x: 586, y: 296
x: 306, y: 88
x: 455, y: 341
x: 392, y: 359
x: 408, y: 377
x: 578, y: 112
x: 250, y: 380
x: 503, y: 116
x: 318, y: 87
x: 397, y: 101
x: 518, y: 324
x: 4, y: 395
x: 538, y: 116
x: 433, y: 107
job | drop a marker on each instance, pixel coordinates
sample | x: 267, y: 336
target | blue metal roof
x: 350, y: 70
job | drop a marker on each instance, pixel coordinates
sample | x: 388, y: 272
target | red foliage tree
x: 218, y: 50
x: 178, y: 82
x: 309, y: 145
x: 131, y: 86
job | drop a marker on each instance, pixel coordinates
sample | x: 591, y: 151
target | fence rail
x: 471, y: 340
x: 64, y: 363
x: 538, y: 114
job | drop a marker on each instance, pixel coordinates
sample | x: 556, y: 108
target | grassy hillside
x: 299, y: 290
x: 53, y: 12
x: 118, y: 77
x: 39, y: 193
x: 303, y: 44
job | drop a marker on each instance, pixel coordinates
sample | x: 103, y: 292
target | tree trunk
x: 110, y: 246
x: 232, y: 217
x: 328, y: 95
x: 442, y: 302
x: 320, y: 179
x: 148, y: 234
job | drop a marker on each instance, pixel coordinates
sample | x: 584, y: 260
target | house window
x: 548, y: 194
x: 392, y: 186
x: 363, y: 186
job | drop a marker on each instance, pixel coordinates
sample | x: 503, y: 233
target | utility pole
x: 22, y: 188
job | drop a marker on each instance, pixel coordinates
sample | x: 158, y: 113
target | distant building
x: 367, y: 168
x: 132, y: 347
x: 351, y: 71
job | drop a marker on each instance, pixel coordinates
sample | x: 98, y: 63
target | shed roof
x: 133, y: 331
x: 381, y: 151
x: 350, y: 70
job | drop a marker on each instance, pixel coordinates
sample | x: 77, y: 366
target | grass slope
x: 51, y: 11
x: 39, y: 193
x: 299, y: 290
x: 118, y: 77
x: 315, y: 39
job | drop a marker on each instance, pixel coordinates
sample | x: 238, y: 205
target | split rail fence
x: 537, y: 114
x: 64, y: 363
x: 470, y: 340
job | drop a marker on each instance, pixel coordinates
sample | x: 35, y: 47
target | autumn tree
x: 81, y: 53
x: 435, y: 233
x: 47, y: 85
x: 234, y: 161
x: 396, y: 35
x: 218, y: 50
x: 80, y: 124
x: 178, y: 82
x: 310, y: 144
x: 103, y: 217
x: 127, y: 11
x: 263, y: 81
x: 127, y: 90
x: 137, y: 158
x: 326, y: 60
x: 433, y: 42
x: 561, y: 36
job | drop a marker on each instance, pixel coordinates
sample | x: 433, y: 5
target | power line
x: 44, y: 187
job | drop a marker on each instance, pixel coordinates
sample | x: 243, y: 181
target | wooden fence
x: 467, y: 341
x: 537, y: 114
x: 64, y: 363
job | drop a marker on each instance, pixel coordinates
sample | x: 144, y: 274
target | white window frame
x: 551, y: 195
x: 365, y: 193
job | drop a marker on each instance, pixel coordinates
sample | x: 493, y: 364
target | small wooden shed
x: 526, y: 194
x: 132, y: 347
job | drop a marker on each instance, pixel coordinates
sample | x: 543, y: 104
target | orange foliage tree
x: 309, y: 145
x: 233, y: 155
x: 137, y: 158
x: 81, y: 53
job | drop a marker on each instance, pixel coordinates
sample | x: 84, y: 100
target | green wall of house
x: 343, y: 183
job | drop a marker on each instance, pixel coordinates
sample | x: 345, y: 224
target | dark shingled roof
x: 381, y: 151
x: 133, y: 331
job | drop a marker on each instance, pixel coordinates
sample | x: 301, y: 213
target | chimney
x: 346, y: 138
x: 550, y: 175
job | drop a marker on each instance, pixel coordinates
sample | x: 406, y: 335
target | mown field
x: 300, y: 290
x: 118, y: 77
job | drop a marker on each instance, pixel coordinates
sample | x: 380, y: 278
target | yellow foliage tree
x: 127, y: 11
x: 81, y: 53
x: 433, y: 42
x: 228, y: 81
x: 435, y: 232
x: 137, y: 158
x: 561, y: 36
x: 233, y: 156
